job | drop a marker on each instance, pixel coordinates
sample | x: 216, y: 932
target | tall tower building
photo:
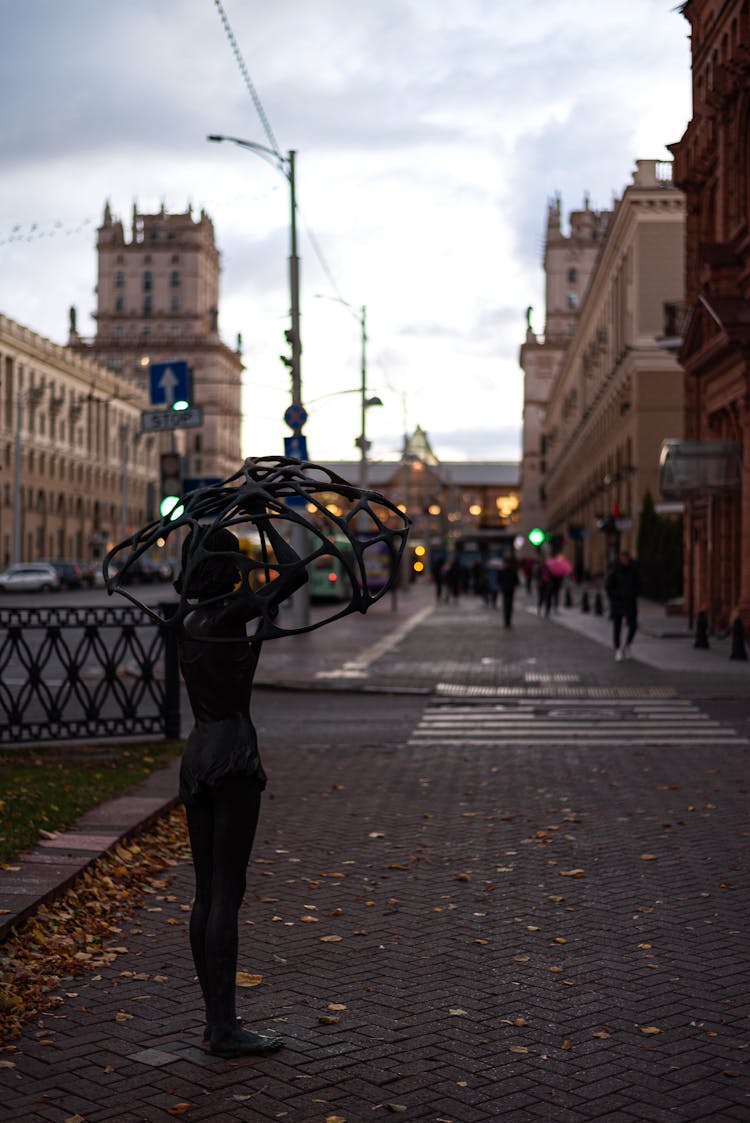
x: 568, y: 264
x: 158, y: 301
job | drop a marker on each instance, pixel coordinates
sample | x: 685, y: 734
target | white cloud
x: 430, y: 136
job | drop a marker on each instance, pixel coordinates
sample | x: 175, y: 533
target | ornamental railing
x: 86, y: 673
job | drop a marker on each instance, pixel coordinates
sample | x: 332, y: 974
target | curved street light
x: 286, y: 165
x: 299, y: 606
x: 361, y: 442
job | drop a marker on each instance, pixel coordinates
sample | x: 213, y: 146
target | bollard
x: 585, y: 602
x: 568, y: 599
x: 598, y: 605
x: 739, y: 650
x: 701, y: 631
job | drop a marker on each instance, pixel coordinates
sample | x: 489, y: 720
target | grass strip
x: 48, y: 788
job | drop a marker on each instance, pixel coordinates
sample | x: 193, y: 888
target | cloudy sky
x: 430, y: 135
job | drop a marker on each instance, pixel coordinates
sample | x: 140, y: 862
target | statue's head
x: 203, y: 576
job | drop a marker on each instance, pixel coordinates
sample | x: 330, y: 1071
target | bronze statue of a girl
x: 229, y: 603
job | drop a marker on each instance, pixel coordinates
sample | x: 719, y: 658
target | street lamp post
x: 288, y: 170
x: 361, y: 442
x: 299, y: 605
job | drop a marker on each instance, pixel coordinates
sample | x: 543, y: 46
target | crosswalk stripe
x: 550, y: 722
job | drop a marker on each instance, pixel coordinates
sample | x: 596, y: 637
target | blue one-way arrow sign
x: 169, y: 383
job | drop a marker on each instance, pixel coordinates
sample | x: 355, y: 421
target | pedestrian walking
x: 453, y: 574
x: 492, y: 588
x: 622, y: 588
x: 436, y: 568
x: 507, y: 580
x: 543, y: 589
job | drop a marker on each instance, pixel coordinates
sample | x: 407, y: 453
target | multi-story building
x: 473, y: 504
x: 157, y: 301
x: 77, y: 472
x: 713, y: 168
x: 618, y: 393
x: 568, y: 263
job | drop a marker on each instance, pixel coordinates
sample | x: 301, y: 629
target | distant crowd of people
x: 496, y: 579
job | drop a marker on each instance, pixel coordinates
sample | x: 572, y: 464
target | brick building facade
x: 712, y: 166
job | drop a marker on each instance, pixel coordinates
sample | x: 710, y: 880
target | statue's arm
x: 293, y: 572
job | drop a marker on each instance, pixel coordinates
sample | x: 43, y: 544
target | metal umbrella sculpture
x: 289, y: 493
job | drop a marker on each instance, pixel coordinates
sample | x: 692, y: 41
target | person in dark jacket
x: 507, y: 579
x: 622, y: 587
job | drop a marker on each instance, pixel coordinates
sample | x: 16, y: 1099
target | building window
x: 175, y: 303
x: 120, y: 304
x: 119, y: 279
x: 147, y: 306
x: 148, y: 281
x: 572, y: 276
x: 174, y: 278
x: 175, y: 259
x: 573, y: 300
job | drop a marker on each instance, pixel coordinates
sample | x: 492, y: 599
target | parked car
x: 88, y: 576
x: 99, y: 581
x: 29, y: 577
x: 147, y: 571
x: 71, y: 573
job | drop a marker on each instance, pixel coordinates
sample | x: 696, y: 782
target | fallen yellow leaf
x: 246, y: 980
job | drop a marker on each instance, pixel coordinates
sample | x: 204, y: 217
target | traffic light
x: 536, y: 536
x: 170, y: 469
x: 289, y: 360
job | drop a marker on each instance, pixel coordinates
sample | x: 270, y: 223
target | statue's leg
x: 200, y: 820
x: 236, y: 805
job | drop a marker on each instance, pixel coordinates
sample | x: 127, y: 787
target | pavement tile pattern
x: 534, y: 912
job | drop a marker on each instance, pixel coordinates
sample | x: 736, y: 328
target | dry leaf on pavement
x: 246, y: 980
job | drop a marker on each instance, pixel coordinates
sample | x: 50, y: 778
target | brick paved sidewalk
x: 527, y: 933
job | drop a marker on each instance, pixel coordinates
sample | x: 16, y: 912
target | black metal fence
x: 80, y: 673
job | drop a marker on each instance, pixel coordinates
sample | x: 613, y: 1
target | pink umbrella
x: 559, y: 567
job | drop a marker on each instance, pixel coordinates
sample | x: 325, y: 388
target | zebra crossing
x: 555, y: 721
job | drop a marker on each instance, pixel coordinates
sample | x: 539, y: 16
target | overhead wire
x: 317, y: 250
x: 248, y: 80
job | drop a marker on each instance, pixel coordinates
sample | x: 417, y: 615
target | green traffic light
x: 536, y: 536
x: 171, y: 507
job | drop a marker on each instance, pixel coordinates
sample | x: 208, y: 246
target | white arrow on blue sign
x: 168, y: 383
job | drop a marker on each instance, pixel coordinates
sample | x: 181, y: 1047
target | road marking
x: 486, y: 725
x: 357, y: 668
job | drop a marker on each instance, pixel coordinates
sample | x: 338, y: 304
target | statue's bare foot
x: 241, y: 1043
x: 207, y: 1030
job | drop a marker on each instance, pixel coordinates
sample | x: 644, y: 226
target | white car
x: 29, y: 577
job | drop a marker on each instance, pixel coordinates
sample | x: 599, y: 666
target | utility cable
x: 248, y: 80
